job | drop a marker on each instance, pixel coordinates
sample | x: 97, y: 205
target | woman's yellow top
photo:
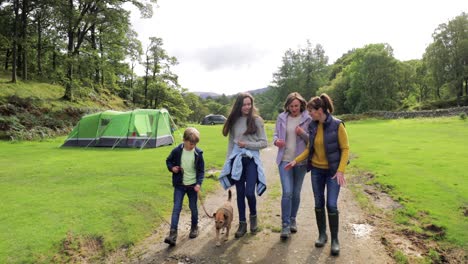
x: 319, y: 158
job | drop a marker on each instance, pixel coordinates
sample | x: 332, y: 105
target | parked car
x: 213, y: 119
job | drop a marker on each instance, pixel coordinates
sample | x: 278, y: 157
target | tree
x: 303, y: 71
x: 134, y: 52
x: 373, y: 84
x: 79, y: 17
x: 158, y: 63
x: 198, y: 110
x: 447, y: 57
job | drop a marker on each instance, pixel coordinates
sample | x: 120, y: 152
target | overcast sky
x: 233, y: 46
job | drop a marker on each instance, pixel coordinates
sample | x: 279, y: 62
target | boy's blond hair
x: 192, y: 135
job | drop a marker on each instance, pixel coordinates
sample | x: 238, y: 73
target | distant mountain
x: 204, y: 95
x: 258, y: 91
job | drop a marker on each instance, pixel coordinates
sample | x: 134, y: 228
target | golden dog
x: 223, y: 219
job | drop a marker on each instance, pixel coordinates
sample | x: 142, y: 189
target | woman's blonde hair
x: 295, y: 96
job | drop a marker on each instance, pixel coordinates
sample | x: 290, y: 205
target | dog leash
x: 203, y: 205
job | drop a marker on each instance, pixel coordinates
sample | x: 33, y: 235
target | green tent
x: 141, y: 128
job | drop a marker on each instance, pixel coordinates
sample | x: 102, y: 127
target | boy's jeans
x: 179, y: 193
x: 291, y: 183
x: 320, y: 179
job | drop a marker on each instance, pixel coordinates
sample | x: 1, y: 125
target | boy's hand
x: 197, y: 188
x: 176, y: 169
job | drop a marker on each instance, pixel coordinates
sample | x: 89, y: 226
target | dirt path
x: 359, y: 243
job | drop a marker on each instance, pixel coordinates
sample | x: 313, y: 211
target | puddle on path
x: 361, y: 230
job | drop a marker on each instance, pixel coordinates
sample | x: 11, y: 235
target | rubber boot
x: 322, y: 227
x: 285, y: 232
x: 253, y: 223
x: 193, y: 232
x: 171, y: 239
x: 241, y: 230
x: 293, y: 226
x: 333, y: 220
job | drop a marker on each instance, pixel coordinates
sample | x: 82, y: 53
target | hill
x: 34, y: 110
x: 205, y: 95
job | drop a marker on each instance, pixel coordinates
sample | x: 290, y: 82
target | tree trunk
x: 7, y: 58
x: 146, y: 81
x: 19, y: 52
x: 460, y: 89
x: 70, y: 34
x: 15, y: 42
x: 132, y: 95
x: 54, y: 59
x: 101, y: 61
x: 39, y: 45
x: 24, y: 51
x: 95, y: 57
x: 466, y: 86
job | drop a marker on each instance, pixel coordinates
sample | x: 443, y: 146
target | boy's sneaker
x: 285, y: 232
x: 193, y: 232
x: 293, y: 225
x: 171, y: 239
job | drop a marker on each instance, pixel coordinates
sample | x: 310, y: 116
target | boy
x: 188, y: 171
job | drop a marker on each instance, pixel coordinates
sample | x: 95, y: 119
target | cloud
x: 225, y: 56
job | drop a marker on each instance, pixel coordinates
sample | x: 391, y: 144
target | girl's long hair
x: 236, y: 112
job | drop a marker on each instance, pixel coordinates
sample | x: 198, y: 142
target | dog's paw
x: 218, y: 244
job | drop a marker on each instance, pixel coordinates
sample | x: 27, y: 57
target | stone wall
x: 415, y: 114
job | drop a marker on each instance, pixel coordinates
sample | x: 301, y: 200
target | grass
x: 118, y: 195
x: 423, y: 164
x: 49, y: 95
x: 121, y: 195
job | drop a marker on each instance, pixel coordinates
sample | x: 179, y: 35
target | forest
x: 90, y: 48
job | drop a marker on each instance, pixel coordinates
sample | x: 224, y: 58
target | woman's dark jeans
x: 322, y: 178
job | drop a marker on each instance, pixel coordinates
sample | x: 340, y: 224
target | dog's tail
x: 229, y: 195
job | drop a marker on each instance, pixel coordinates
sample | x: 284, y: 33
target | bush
x: 462, y: 116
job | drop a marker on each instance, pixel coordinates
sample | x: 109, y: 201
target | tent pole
x: 97, y: 130
x: 156, y: 131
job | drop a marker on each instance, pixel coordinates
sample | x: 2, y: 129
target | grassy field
x: 423, y: 163
x: 116, y: 196
x: 119, y: 196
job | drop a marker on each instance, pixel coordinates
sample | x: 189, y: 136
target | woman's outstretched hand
x: 339, y: 176
x: 290, y: 165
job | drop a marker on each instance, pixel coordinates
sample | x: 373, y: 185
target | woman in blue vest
x: 291, y: 138
x: 327, y: 156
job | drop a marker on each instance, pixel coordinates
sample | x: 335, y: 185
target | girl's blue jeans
x: 245, y: 188
x: 322, y: 178
x: 179, y: 193
x: 291, y: 183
